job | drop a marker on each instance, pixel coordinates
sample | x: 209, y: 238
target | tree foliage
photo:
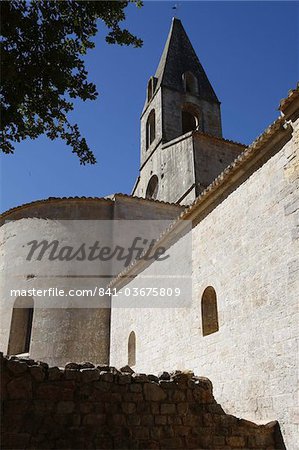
x: 42, y: 68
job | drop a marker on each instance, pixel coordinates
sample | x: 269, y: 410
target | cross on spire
x: 175, y: 9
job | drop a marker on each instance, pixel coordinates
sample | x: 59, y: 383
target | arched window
x: 209, y: 313
x: 21, y: 326
x: 152, y: 187
x: 190, y: 83
x: 132, y: 349
x: 189, y: 121
x: 150, y: 128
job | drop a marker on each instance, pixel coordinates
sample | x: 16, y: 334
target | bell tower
x: 180, y: 103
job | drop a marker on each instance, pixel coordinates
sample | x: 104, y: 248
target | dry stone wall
x: 87, y: 407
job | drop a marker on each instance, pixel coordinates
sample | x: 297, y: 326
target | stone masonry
x: 183, y: 162
x: 99, y: 407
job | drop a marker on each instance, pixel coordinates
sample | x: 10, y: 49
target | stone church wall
x: 174, y: 166
x: 84, y: 406
x: 65, y: 330
x: 194, y: 159
x: 245, y: 249
x: 211, y: 157
x: 62, y: 327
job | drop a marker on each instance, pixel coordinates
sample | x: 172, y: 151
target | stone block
x: 87, y: 365
x: 178, y: 396
x: 54, y: 373
x: 65, y: 407
x: 261, y: 440
x: 155, y: 432
x: 125, y: 378
x: 182, y: 408
x: 168, y: 408
x: 149, y: 445
x: 160, y: 420
x: 182, y: 430
x: 37, y: 372
x: 99, y: 407
x: 155, y: 408
x: 128, y: 407
x: 72, y: 374
x: 164, y: 375
x: 153, y: 392
x: 20, y: 387
x: 16, y: 367
x: 135, y: 388
x: 101, y: 386
x: 107, y: 377
x: 89, y: 374
x: 219, y: 441
x: 170, y: 443
x: 143, y: 407
x: 127, y: 369
x: 153, y: 378
x: 94, y: 419
x: 174, y: 420
x: 72, y: 366
x: 133, y: 419
x: 167, y: 384
x: 140, y: 378
x: 52, y: 392
x: 147, y: 420
x: 15, y: 440
x: 20, y: 406
x: 236, y: 441
x: 167, y: 431
x: 118, y: 420
x: 133, y: 397
x: 43, y: 407
x: 140, y: 432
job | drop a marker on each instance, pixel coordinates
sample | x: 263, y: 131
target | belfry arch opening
x: 150, y: 128
x: 21, y: 326
x: 190, y: 83
x: 152, y: 187
x: 189, y: 121
x: 132, y: 349
x: 209, y: 311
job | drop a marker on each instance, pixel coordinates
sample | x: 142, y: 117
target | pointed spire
x: 179, y: 57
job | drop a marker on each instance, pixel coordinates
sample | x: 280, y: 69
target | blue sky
x: 249, y: 51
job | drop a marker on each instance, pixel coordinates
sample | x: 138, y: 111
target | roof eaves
x: 292, y: 95
x: 134, y: 197
x: 83, y: 198
x: 49, y: 200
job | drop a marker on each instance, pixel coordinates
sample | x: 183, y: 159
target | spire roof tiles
x: 179, y: 57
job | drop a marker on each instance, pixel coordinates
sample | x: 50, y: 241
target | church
x: 228, y: 216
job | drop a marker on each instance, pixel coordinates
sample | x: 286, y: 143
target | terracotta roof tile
x: 292, y: 94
